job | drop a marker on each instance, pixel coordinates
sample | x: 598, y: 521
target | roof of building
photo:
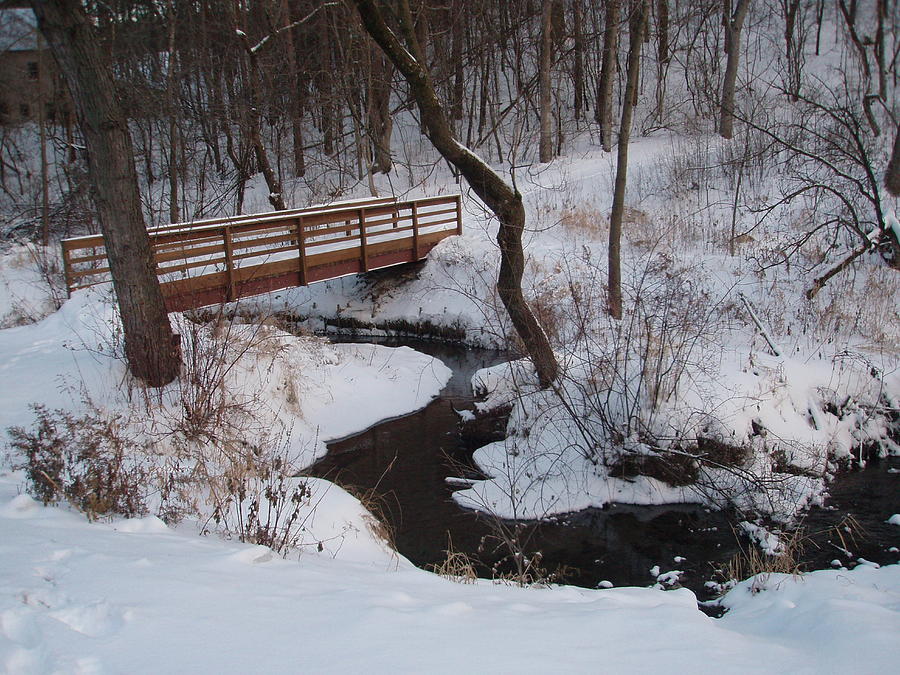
x: 18, y: 30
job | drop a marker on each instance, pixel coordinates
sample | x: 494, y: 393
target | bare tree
x: 151, y: 348
x: 734, y: 23
x: 637, y: 24
x: 502, y: 199
x: 546, y: 98
x: 603, y: 113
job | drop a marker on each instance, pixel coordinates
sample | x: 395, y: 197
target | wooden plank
x: 290, y: 213
x: 80, y: 274
x: 185, y: 253
x: 380, y: 227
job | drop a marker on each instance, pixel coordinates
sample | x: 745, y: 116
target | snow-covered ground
x: 695, y: 361
x: 134, y: 596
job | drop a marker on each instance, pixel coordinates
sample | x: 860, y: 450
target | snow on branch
x: 259, y: 45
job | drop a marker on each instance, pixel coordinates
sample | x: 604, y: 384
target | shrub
x: 83, y: 460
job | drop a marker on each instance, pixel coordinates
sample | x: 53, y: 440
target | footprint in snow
x: 20, y: 627
x: 95, y: 619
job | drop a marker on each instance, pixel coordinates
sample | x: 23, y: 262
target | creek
x: 403, y: 464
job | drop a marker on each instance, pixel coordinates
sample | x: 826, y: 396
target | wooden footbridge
x: 221, y: 260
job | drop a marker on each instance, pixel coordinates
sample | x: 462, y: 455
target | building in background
x: 31, y: 89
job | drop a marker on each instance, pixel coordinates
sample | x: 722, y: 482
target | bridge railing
x: 221, y: 260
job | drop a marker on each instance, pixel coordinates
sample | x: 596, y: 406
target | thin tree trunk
x: 295, y: 96
x: 636, y: 26
x: 881, y: 13
x: 578, y: 67
x: 892, y: 174
x: 733, y: 25
x: 546, y: 112
x: 502, y: 199
x: 456, y: 58
x: 254, y: 123
x: 603, y: 113
x: 42, y: 127
x: 790, y: 8
x: 151, y: 348
x: 172, y: 93
x: 662, y: 56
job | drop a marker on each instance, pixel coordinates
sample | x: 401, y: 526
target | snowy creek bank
x: 402, y: 467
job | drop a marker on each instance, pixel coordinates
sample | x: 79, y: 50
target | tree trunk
x: 892, y: 174
x: 172, y: 95
x: 662, y: 57
x: 458, y: 27
x: 254, y: 124
x: 790, y: 9
x: 603, y: 114
x: 546, y: 112
x: 151, y: 348
x: 504, y: 201
x: 379, y: 113
x: 636, y: 26
x: 578, y: 55
x: 733, y: 25
x: 295, y: 95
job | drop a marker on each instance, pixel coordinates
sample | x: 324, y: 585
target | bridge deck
x: 221, y: 260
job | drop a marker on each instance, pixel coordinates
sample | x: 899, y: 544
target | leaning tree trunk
x: 503, y: 200
x: 733, y: 25
x: 603, y: 113
x: 151, y: 348
x: 636, y: 26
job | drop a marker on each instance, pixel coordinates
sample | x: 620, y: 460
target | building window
x: 33, y: 70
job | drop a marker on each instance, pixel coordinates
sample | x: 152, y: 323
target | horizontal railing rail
x: 225, y: 259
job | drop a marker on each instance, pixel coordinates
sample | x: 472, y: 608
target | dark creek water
x: 404, y: 462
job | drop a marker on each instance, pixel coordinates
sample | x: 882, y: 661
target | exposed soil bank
x: 404, y: 462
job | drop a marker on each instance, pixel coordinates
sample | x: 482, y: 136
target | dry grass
x: 376, y: 519
x: 752, y: 562
x: 457, y: 566
x: 585, y: 221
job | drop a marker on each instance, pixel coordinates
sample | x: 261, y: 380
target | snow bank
x: 135, y: 596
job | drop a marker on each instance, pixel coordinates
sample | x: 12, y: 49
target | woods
x: 591, y: 275
x: 305, y: 95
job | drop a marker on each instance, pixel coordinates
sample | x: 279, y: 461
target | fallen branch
x: 762, y: 329
x: 820, y: 282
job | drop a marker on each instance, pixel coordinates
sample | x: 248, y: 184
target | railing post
x: 362, y: 239
x: 67, y: 267
x: 458, y: 214
x: 415, y: 221
x: 229, y: 264
x: 301, y: 246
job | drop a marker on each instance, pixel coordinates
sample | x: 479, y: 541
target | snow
x: 135, y: 596
x: 138, y: 595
